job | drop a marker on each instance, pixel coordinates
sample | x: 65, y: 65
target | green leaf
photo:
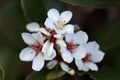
x: 48, y: 4
x: 10, y: 63
x: 106, y: 73
x: 109, y: 36
x: 36, y: 10
x: 12, y: 24
x: 53, y: 75
x: 41, y: 75
x: 33, y: 10
x: 2, y: 73
x: 114, y: 58
x: 93, y: 3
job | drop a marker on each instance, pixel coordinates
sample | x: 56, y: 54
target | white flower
x: 57, y: 21
x: 63, y: 65
x: 48, y: 47
x: 34, y: 51
x: 73, y: 48
x: 93, y: 55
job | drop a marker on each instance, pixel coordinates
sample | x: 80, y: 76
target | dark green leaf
x: 109, y: 35
x: 114, y: 58
x: 10, y: 63
x: 53, y: 75
x: 106, y: 73
x: 12, y: 23
x: 41, y: 75
x: 33, y: 10
x: 2, y: 73
x: 48, y: 4
x: 37, y: 10
x: 93, y: 3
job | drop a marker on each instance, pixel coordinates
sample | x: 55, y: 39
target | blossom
x: 49, y: 36
x: 58, y: 61
x: 93, y: 55
x: 73, y: 48
x: 57, y: 21
x: 35, y: 50
x: 59, y: 43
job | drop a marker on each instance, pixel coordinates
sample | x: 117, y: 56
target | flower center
x: 37, y: 47
x: 52, y: 38
x: 59, y: 25
x: 71, y: 46
x: 86, y: 58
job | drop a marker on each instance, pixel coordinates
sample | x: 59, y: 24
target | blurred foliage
x: 15, y: 14
x: 12, y: 23
x: 37, y: 75
x: 109, y: 35
x: 36, y: 10
x: 55, y: 74
x: 10, y: 62
x: 93, y: 3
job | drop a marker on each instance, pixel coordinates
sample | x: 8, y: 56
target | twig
x: 3, y: 72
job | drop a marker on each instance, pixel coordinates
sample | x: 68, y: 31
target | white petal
x: 38, y: 37
x: 68, y: 37
x: 64, y: 67
x: 38, y: 62
x: 58, y: 36
x: 91, y: 66
x: 52, y: 56
x: 33, y: 27
x: 66, y: 16
x: 61, y: 43
x: 69, y: 28
x: 97, y: 56
x: 80, y: 37
x: 85, y: 68
x: 53, y: 14
x: 49, y: 24
x: 79, y: 64
x: 50, y: 49
x: 80, y: 52
x: 92, y: 46
x: 66, y: 55
x: 60, y: 32
x: 28, y: 38
x: 45, y: 47
x: 44, y: 31
x: 52, y: 64
x: 27, y: 54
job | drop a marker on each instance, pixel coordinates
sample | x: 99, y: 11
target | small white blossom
x: 57, y: 21
x: 73, y: 48
x: 48, y: 47
x: 34, y: 51
x: 93, y: 55
x: 63, y: 65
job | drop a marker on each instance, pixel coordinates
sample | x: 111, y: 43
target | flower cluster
x: 59, y: 43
